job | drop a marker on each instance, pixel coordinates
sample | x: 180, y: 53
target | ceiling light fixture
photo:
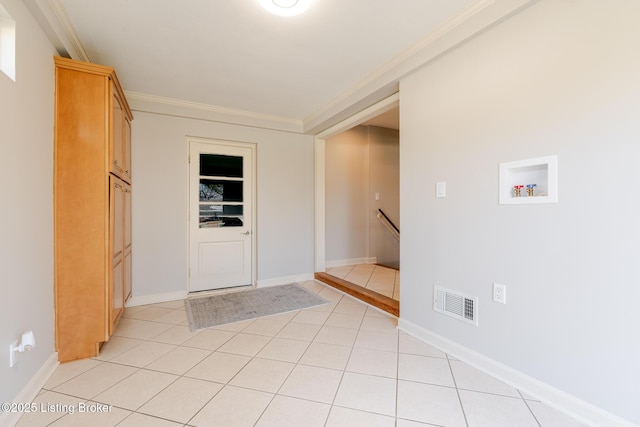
x: 286, y: 7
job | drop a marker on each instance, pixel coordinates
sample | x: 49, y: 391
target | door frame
x: 254, y: 199
x: 376, y: 109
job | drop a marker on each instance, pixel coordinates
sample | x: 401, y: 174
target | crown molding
x: 384, y: 81
x: 177, y: 108
x: 74, y: 47
x: 52, y: 18
x: 380, y: 84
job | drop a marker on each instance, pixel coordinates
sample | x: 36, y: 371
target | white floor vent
x: 455, y: 304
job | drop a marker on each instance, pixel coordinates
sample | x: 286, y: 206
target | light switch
x: 377, y: 196
x: 441, y: 189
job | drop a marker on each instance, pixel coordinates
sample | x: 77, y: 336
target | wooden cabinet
x: 116, y: 238
x: 120, y: 150
x: 120, y: 238
x: 92, y: 206
x: 127, y: 243
x: 127, y: 148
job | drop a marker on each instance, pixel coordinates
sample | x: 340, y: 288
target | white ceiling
x: 233, y: 55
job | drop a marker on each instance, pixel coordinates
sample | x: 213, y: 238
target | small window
x: 7, y: 44
x: 221, y: 191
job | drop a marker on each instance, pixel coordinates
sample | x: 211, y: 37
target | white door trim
x: 254, y: 199
x: 383, y: 106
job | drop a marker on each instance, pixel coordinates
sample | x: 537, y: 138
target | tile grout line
x: 455, y: 383
x: 271, y: 338
x: 256, y: 357
x: 138, y: 369
x: 93, y: 399
x: 147, y: 401
x: 235, y: 333
x: 228, y: 383
x: 529, y: 408
x: 182, y: 375
x: 297, y: 363
x: 199, y: 379
x: 344, y: 370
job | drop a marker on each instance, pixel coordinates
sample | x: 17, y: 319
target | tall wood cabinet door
x: 116, y: 139
x: 117, y: 234
x: 127, y: 275
x: 127, y: 148
x: 127, y: 242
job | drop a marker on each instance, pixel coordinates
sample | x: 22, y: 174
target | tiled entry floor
x: 383, y: 280
x: 341, y: 364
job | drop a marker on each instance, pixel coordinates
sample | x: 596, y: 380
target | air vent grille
x: 469, y: 312
x: 456, y: 304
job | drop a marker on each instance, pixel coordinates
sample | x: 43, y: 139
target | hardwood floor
x: 376, y: 299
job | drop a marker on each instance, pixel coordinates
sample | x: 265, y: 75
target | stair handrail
x: 389, y: 225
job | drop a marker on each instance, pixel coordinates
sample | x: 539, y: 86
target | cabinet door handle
x: 115, y: 162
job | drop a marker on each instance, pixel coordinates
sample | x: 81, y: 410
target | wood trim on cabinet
x: 102, y: 70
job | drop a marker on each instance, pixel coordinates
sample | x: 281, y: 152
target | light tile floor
x: 341, y: 364
x: 383, y: 280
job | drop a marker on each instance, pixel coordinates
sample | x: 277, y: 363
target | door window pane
x: 216, y: 190
x: 221, y: 191
x: 215, y: 215
x: 220, y: 165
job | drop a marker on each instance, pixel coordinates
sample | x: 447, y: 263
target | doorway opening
x: 358, y: 206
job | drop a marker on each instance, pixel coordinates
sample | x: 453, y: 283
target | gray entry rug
x: 206, y: 311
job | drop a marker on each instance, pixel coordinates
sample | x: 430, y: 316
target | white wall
x: 559, y: 78
x: 26, y: 216
x: 160, y: 235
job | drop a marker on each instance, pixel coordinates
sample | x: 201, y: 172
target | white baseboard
x: 284, y: 280
x: 352, y: 261
x: 173, y: 296
x: 156, y: 298
x: 576, y: 408
x: 31, y: 390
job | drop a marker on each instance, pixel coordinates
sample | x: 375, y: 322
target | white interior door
x: 220, y: 216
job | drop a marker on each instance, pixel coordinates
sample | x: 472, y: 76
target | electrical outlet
x: 13, y: 354
x: 499, y: 293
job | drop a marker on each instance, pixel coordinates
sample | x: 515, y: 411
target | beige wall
x: 384, y: 179
x: 346, y: 195
x: 559, y: 78
x: 359, y: 163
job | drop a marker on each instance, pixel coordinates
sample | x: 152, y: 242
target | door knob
x: 246, y: 233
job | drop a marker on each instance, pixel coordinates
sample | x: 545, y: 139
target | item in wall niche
x: 530, y: 188
x: 541, y: 176
x: 517, y: 190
